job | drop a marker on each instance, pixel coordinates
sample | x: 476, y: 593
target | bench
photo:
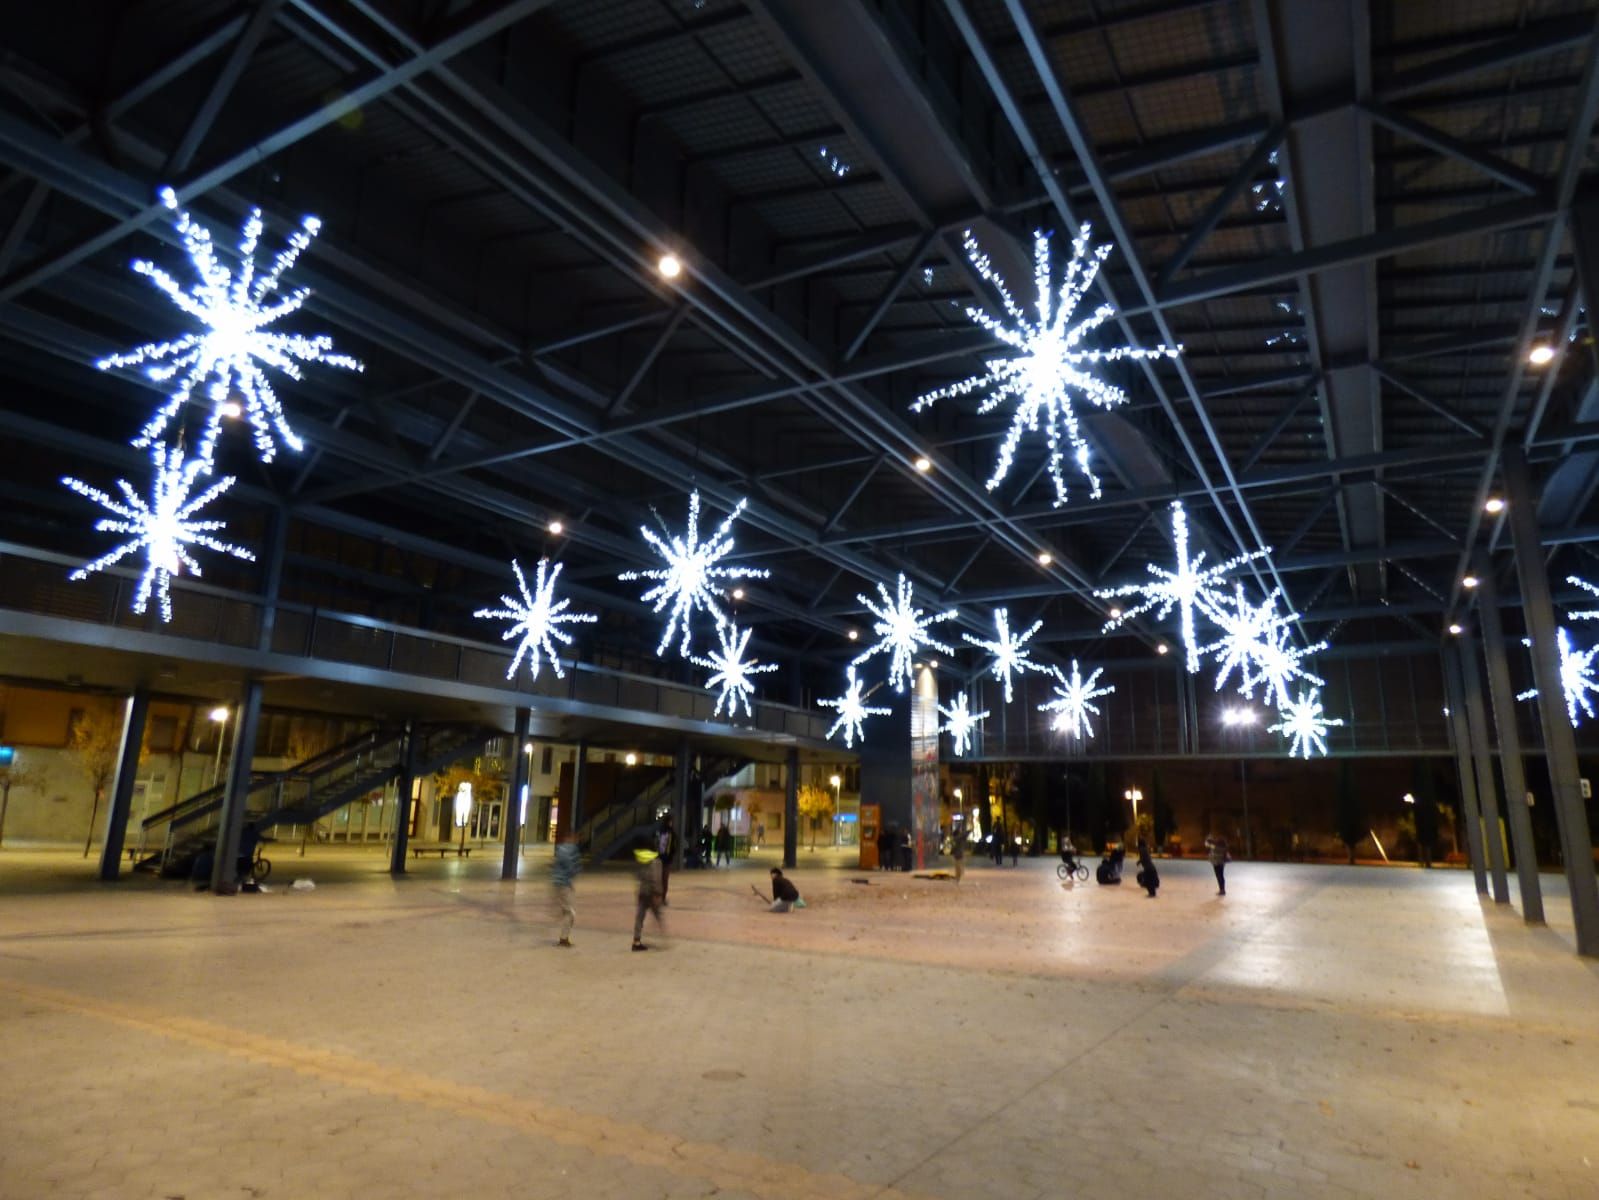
x: 460, y: 851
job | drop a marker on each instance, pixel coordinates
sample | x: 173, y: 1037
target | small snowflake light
x: 1009, y: 650
x: 1073, y: 704
x: 731, y: 671
x: 1588, y: 614
x: 692, y: 577
x: 852, y: 710
x: 1191, y: 585
x: 902, y: 630
x: 1305, y: 724
x: 536, y: 619
x: 233, y: 343
x: 1576, y: 676
x: 959, y: 721
x: 1256, y: 642
x: 161, y: 528
x: 1049, y: 361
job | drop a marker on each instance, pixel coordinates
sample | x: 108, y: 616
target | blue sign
x: 8, y: 755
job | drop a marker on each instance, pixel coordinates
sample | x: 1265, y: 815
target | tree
x: 1350, y: 813
x: 816, y: 805
x: 94, y: 743
x: 14, y: 775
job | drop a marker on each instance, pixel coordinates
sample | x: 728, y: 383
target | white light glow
x: 1540, y: 356
x: 161, y: 528
x: 731, y: 671
x: 670, y: 266
x: 1009, y: 650
x: 1576, y: 677
x: 1305, y: 724
x: 852, y: 709
x: 902, y: 630
x: 1073, y: 704
x: 1256, y: 642
x: 1192, y: 585
x: 959, y: 722
x: 1049, y: 362
x: 536, y: 619
x: 692, y: 577
x: 1494, y: 505
x: 233, y: 344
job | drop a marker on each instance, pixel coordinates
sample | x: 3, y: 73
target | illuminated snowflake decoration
x: 233, y: 344
x: 1305, y: 724
x: 536, y: 619
x: 692, y: 577
x: 852, y: 710
x: 1073, y: 704
x: 1191, y: 586
x: 1587, y: 614
x: 161, y: 528
x: 1050, y: 362
x: 1256, y: 643
x: 959, y: 722
x: 1576, y: 676
x: 1009, y: 650
x: 732, y: 671
x: 902, y: 630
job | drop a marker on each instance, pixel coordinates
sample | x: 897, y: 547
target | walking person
x: 1217, y: 845
x: 724, y: 845
x: 1148, y: 877
x: 1015, y: 849
x: 563, y: 875
x: 649, y: 895
x: 665, y: 842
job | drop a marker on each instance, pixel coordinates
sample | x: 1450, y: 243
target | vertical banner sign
x: 924, y: 767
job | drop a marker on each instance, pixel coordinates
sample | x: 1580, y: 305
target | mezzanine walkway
x: 1321, y: 1032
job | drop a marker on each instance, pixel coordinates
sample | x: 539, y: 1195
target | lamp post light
x: 1134, y: 795
x: 219, y: 714
x: 1243, y: 719
x: 837, y: 783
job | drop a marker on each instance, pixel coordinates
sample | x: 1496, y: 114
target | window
x: 547, y: 762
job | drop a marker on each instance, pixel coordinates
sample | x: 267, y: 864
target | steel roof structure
x: 1357, y: 217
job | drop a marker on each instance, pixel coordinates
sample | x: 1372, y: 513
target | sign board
x: 1587, y: 789
x: 8, y: 755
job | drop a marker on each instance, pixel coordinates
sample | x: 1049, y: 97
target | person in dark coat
x: 1110, y: 867
x: 784, y: 894
x: 724, y: 845
x: 999, y: 845
x: 886, y: 841
x: 1148, y: 877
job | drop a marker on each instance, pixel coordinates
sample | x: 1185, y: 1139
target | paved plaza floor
x: 1320, y: 1032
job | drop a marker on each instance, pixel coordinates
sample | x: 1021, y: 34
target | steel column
x: 402, y: 798
x: 1469, y: 816
x: 1503, y: 696
x: 682, y: 769
x: 272, y: 561
x: 513, y: 816
x: 116, y: 818
x: 791, y: 810
x: 247, y: 717
x: 580, y: 784
x: 1487, y: 783
x: 1560, y: 747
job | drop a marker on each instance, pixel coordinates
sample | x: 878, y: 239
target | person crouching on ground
x: 784, y: 894
x: 563, y: 875
x: 1148, y: 877
x: 649, y: 895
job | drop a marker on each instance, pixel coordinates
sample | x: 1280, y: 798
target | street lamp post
x: 1134, y: 795
x: 219, y: 714
x: 837, y: 782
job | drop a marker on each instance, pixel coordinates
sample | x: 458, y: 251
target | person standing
x: 649, y: 895
x: 665, y: 842
x: 724, y: 845
x: 957, y: 851
x: 999, y: 845
x: 1014, y: 846
x: 1148, y: 877
x: 568, y: 862
x: 1217, y: 845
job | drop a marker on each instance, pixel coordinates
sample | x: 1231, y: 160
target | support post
x: 224, y: 869
x: 1487, y: 784
x: 791, y: 809
x: 402, y: 817
x: 116, y: 818
x: 580, y: 784
x: 1560, y: 747
x: 1469, y: 816
x: 1503, y: 696
x: 272, y: 563
x: 513, y: 814
x: 682, y: 769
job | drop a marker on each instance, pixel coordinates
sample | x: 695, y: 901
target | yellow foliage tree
x: 94, y: 743
x: 815, y: 804
x: 14, y: 775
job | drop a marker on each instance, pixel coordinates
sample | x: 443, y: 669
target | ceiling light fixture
x: 1494, y: 506
x: 923, y: 463
x: 670, y: 266
x: 1541, y: 356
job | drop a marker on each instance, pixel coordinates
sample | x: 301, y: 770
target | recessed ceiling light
x: 670, y: 266
x: 1162, y: 648
x: 1494, y: 505
x: 738, y: 593
x: 933, y: 663
x: 1115, y: 614
x: 853, y: 634
x: 1470, y: 581
x: 923, y: 463
x: 1045, y: 558
x: 1540, y: 356
x: 1455, y: 628
x: 232, y: 409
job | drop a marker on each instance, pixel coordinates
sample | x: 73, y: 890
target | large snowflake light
x: 731, y: 671
x: 1049, y: 362
x: 1191, y: 585
x: 1589, y: 614
x: 902, y: 629
x: 536, y: 619
x: 1305, y: 724
x: 1009, y: 650
x: 1073, y: 704
x: 959, y: 721
x: 161, y: 528
x: 233, y: 343
x: 1576, y: 676
x: 692, y: 577
x: 1256, y: 642
x: 852, y: 709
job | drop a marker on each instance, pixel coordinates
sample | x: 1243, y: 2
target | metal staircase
x: 308, y: 790
x: 621, y: 825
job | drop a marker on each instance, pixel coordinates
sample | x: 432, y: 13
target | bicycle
x: 1069, y: 868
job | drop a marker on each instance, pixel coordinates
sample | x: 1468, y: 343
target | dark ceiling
x: 1356, y: 217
